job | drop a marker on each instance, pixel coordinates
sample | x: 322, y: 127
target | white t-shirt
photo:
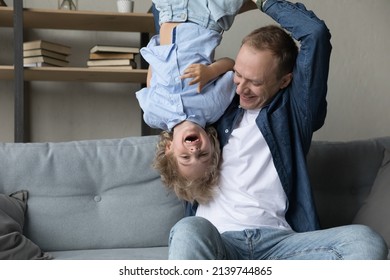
x: 250, y: 194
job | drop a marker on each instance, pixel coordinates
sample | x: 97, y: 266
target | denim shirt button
x: 183, y: 16
x: 97, y: 198
x: 226, y: 130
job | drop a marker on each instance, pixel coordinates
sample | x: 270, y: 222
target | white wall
x: 359, y: 92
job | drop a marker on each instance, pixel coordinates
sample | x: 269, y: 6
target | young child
x: 187, y: 91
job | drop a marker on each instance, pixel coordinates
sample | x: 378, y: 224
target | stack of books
x: 44, y: 53
x: 113, y: 56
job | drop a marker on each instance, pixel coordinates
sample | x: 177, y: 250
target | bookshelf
x: 20, y: 19
x: 77, y: 74
x: 80, y: 20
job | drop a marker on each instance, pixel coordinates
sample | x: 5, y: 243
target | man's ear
x: 286, y: 80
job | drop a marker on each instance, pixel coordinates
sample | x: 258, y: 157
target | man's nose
x: 241, y: 87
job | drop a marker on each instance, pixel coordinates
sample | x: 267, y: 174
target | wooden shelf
x: 77, y: 74
x: 6, y: 72
x: 80, y: 20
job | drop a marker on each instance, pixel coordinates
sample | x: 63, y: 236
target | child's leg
x: 165, y: 39
x: 166, y: 32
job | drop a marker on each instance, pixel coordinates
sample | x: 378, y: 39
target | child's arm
x: 202, y: 74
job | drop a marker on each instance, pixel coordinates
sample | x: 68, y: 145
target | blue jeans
x: 197, y: 238
x: 156, y: 18
x: 216, y: 15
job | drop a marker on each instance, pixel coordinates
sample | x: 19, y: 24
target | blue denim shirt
x: 289, y: 120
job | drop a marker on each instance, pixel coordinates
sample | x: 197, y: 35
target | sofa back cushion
x: 376, y: 208
x: 91, y: 194
x: 342, y: 175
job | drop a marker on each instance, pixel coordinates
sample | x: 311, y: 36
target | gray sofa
x: 101, y: 199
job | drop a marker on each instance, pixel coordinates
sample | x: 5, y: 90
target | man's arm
x: 202, y: 74
x: 310, y: 75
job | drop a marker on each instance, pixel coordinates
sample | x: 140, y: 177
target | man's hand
x: 247, y: 6
x: 199, y: 73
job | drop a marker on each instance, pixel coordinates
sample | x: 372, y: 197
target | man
x: 263, y: 208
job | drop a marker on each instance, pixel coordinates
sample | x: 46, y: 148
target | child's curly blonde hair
x: 199, y: 190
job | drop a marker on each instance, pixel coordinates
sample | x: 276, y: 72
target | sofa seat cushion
x: 151, y: 253
x: 377, y: 205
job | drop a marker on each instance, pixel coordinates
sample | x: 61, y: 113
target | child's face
x: 192, y: 149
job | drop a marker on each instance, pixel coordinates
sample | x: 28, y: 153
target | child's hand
x: 199, y: 73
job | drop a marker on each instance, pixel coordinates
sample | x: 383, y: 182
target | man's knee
x: 372, y: 244
x: 191, y: 227
x: 193, y: 238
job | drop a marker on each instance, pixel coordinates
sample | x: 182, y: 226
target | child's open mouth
x: 191, y: 139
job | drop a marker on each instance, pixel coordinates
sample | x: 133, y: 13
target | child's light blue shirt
x: 170, y: 100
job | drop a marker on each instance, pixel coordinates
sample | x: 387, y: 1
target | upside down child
x: 187, y: 91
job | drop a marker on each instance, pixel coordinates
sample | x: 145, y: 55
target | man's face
x: 256, y: 77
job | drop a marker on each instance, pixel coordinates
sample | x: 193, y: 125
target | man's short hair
x: 279, y: 42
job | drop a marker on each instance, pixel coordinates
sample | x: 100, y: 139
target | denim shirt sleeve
x: 310, y: 75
